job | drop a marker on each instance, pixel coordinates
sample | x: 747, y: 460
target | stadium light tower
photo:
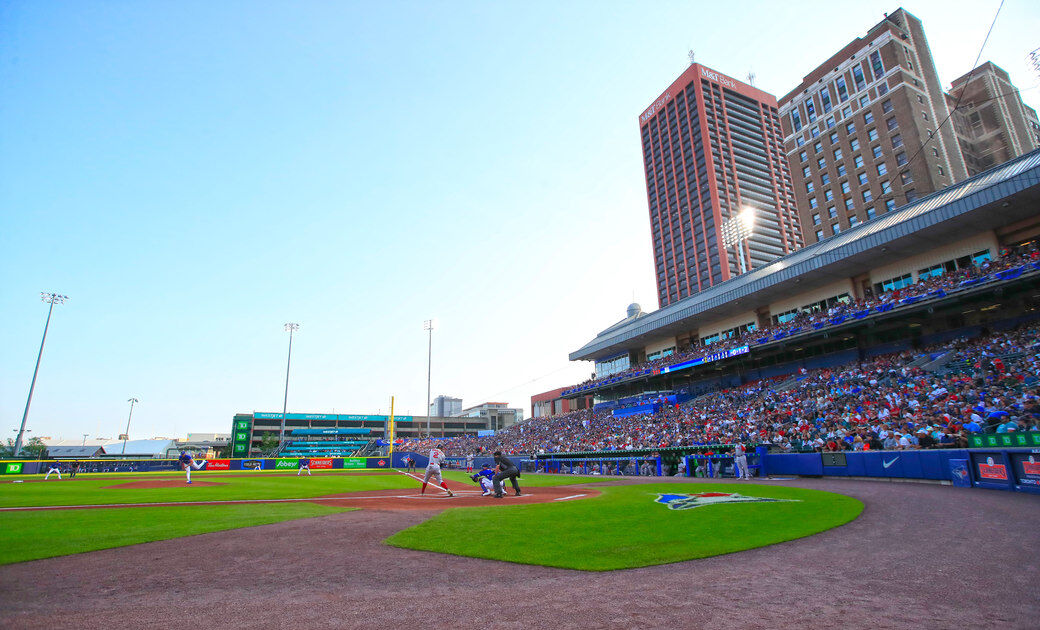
x: 291, y: 328
x: 49, y: 298
x: 126, y: 435
x: 428, y: 326
x: 737, y: 230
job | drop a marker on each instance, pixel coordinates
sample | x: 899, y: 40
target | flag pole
x: 391, y: 432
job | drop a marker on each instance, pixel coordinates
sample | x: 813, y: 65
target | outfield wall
x: 996, y: 469
x: 87, y: 466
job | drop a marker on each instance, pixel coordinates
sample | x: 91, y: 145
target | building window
x: 834, y: 138
x: 853, y: 220
x: 845, y: 188
x: 882, y: 88
x: 841, y: 170
x: 809, y: 186
x: 832, y: 213
x: 871, y: 213
x: 868, y: 196
x: 812, y: 202
x: 828, y: 195
x: 810, y: 109
x: 821, y: 162
x: 835, y: 228
x: 858, y: 161
x: 843, y: 92
x: 857, y: 76
x: 825, y: 179
x: 868, y: 117
x: 837, y: 154
x: 863, y: 100
x: 941, y: 171
x: 886, y: 187
x: 846, y: 112
x: 819, y: 235
x: 876, y: 65
x: 800, y: 141
x: 850, y: 128
x: 830, y: 122
x: 818, y: 147
x: 862, y: 179
x: 825, y: 100
x: 897, y: 141
x: 803, y: 155
x: 887, y: 106
x: 892, y: 123
x: 815, y: 132
x: 872, y: 134
x: 854, y: 144
x: 882, y: 169
x: 849, y: 203
x: 796, y: 119
x: 901, y: 158
x: 911, y: 195
x: 905, y: 177
x: 893, y: 284
x: 806, y: 171
x: 816, y: 218
x: 890, y: 205
x: 924, y: 115
x: 876, y: 150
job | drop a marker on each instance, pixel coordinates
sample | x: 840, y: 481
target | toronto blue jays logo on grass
x: 701, y: 499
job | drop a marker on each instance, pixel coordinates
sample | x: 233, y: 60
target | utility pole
x: 126, y: 435
x: 50, y: 298
x: 290, y: 327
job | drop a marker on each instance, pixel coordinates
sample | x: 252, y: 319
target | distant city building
x: 446, y: 407
x: 992, y: 123
x: 497, y: 415
x: 552, y: 403
x: 861, y: 130
x: 713, y: 148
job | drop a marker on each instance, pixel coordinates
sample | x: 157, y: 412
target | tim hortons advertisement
x: 218, y: 464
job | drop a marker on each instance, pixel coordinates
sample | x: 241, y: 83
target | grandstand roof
x: 73, y: 451
x: 141, y: 448
x: 998, y: 197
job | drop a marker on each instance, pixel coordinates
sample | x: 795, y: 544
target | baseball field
x: 364, y: 548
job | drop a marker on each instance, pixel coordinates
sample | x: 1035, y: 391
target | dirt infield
x: 920, y: 555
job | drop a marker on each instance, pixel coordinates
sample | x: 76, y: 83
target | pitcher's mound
x: 164, y: 483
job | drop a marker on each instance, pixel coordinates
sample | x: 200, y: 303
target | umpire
x: 506, y: 469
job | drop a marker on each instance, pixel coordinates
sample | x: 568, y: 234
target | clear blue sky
x: 195, y: 174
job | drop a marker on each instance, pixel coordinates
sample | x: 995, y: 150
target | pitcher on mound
x: 433, y: 469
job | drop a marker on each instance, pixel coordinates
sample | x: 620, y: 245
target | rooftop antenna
x: 751, y: 78
x: 692, y: 57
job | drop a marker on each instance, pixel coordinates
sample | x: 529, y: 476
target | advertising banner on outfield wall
x: 1027, y: 468
x: 321, y: 462
x: 252, y: 464
x: 12, y: 468
x: 353, y: 462
x: 286, y: 463
x: 218, y: 464
x: 378, y: 462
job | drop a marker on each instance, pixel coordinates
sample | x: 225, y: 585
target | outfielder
x: 433, y: 469
x: 304, y: 464
x: 53, y: 467
x: 188, y: 462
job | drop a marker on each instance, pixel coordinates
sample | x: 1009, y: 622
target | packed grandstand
x: 987, y: 383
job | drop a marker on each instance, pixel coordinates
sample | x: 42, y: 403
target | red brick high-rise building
x: 712, y: 152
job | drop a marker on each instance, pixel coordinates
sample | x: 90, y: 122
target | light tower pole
x: 126, y: 434
x: 737, y: 230
x: 50, y: 298
x: 428, y: 326
x: 291, y: 328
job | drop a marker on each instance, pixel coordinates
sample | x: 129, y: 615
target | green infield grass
x: 530, y: 480
x: 35, y: 535
x: 625, y: 528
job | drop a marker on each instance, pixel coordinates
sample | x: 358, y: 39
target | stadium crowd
x: 819, y: 317
x: 889, y: 402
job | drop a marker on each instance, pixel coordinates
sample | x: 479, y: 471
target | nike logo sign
x: 887, y: 464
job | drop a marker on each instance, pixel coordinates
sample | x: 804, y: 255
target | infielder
x: 484, y: 479
x: 304, y: 464
x: 740, y: 459
x: 188, y: 462
x: 433, y: 469
x: 53, y: 467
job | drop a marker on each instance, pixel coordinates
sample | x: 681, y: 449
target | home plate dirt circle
x: 438, y: 500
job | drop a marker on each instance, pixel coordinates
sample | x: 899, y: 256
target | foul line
x: 420, y: 480
x: 573, y: 496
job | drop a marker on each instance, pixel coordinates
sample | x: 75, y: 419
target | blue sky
x: 195, y: 174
